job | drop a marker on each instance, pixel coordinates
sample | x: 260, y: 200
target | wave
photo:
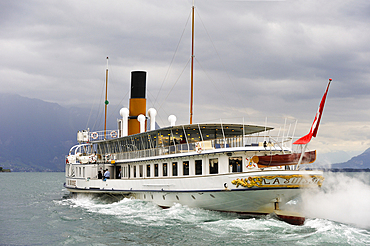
x: 189, y: 225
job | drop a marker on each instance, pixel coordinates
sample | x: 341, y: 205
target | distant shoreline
x: 336, y: 170
x: 4, y: 170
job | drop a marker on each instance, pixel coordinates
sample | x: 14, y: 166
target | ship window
x: 213, y: 166
x: 141, y: 171
x: 198, y: 167
x: 164, y: 169
x: 134, y: 167
x: 185, y: 166
x: 156, y: 170
x: 148, y: 170
x: 174, y: 168
x: 83, y: 172
x: 125, y: 172
x: 235, y: 164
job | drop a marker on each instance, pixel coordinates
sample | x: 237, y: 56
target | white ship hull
x: 214, y: 192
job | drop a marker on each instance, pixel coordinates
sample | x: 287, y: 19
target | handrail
x: 99, y: 135
x: 226, y: 143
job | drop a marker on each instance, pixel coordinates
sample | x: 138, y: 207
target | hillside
x: 361, y: 161
x: 36, y: 135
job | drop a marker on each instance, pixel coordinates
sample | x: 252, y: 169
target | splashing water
x: 343, y: 198
x: 188, y: 226
x: 37, y: 211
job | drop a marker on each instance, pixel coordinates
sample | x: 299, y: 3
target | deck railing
x: 103, y: 135
x: 267, y: 143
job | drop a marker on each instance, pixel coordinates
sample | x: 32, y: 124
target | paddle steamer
x: 232, y: 167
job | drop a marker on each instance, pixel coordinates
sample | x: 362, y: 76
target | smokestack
x: 137, y: 101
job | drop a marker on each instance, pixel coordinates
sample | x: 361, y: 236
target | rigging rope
x: 223, y: 65
x: 173, y: 58
x: 174, y: 84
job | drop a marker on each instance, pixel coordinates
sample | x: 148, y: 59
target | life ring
x: 92, y: 159
x: 94, y: 135
x: 113, y: 134
x: 198, y: 147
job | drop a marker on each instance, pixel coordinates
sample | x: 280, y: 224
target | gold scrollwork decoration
x: 290, y: 181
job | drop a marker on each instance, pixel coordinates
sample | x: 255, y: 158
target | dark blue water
x: 35, y: 210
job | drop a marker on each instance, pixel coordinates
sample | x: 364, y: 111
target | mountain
x: 36, y: 135
x: 361, y: 161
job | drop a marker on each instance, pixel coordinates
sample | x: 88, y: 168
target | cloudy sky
x: 252, y: 59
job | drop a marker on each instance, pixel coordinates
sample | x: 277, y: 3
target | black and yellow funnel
x: 137, y: 101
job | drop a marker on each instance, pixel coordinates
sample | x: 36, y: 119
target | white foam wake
x: 342, y: 198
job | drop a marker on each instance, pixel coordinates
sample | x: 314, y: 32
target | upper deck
x: 182, y: 139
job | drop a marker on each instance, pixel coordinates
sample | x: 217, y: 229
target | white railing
x: 235, y: 142
x: 103, y: 135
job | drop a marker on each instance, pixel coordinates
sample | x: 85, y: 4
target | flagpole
x: 106, y: 101
x: 301, y: 157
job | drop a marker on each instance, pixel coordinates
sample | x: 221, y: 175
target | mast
x: 106, y: 100
x: 192, y: 66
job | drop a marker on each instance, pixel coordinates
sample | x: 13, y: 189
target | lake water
x: 35, y: 210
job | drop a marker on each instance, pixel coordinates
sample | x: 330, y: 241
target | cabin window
x: 174, y: 168
x: 134, y: 167
x: 83, y: 172
x: 118, y: 172
x: 185, y: 166
x: 235, y: 164
x: 156, y: 170
x: 79, y: 172
x: 148, y: 170
x: 198, y: 167
x: 213, y: 166
x: 141, y: 171
x: 164, y: 169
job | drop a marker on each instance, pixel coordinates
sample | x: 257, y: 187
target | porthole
x: 177, y: 197
x: 192, y: 197
x: 212, y: 195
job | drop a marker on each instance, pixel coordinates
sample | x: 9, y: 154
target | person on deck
x: 107, y: 174
x: 119, y: 174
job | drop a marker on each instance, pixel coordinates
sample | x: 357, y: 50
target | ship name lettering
x: 264, y: 181
x: 276, y: 181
